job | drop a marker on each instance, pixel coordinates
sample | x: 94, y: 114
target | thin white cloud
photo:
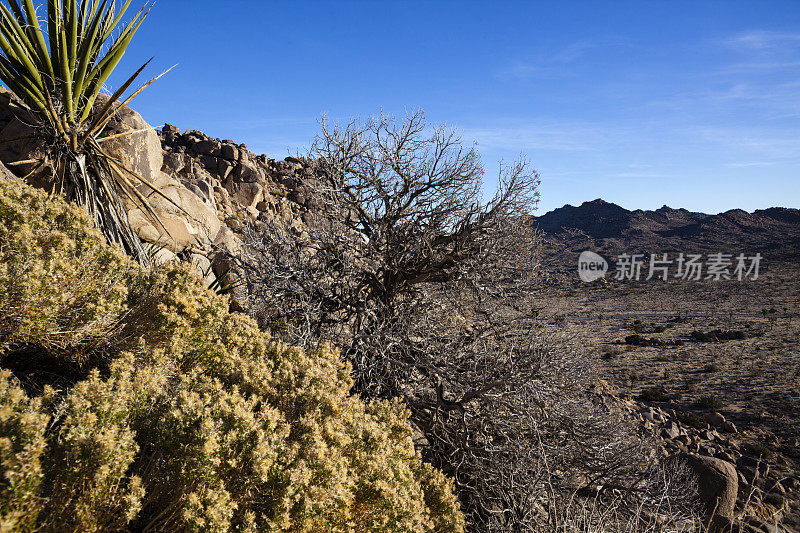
x: 763, y: 40
x: 757, y: 67
x: 642, y: 175
x: 765, y: 74
x: 520, y: 70
x: 573, y: 51
x: 774, y: 97
x: 749, y: 165
x: 769, y: 146
x: 551, y: 62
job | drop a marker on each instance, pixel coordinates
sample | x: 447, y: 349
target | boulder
x: 228, y: 241
x: 717, y: 484
x: 203, y: 266
x: 671, y: 431
x: 246, y: 194
x: 224, y: 168
x: 715, y: 419
x: 174, y: 162
x: 209, y: 162
x: 299, y: 195
x: 209, y: 147
x: 229, y: 152
x: 202, y: 189
x: 225, y: 269
x: 163, y: 256
x: 248, y: 170
x: 5, y: 174
x: 190, y: 138
x: 140, y: 152
x: 193, y: 224
x: 16, y: 143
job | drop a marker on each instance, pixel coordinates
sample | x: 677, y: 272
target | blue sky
x: 688, y: 104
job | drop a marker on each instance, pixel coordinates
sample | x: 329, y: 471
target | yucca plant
x: 58, y: 73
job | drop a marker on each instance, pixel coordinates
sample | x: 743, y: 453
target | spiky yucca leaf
x: 59, y: 72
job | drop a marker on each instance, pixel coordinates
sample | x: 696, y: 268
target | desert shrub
x: 192, y: 419
x: 758, y: 450
x: 691, y: 419
x: 60, y: 286
x: 22, y: 444
x: 89, y: 463
x: 610, y: 354
x: 429, y: 288
x: 717, y: 335
x: 710, y: 401
x: 654, y: 395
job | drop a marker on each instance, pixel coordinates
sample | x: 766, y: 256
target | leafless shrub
x: 428, y: 290
x: 663, y: 500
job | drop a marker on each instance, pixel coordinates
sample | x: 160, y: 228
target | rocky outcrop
x: 17, y: 142
x: 141, y: 151
x: 190, y: 222
x: 212, y: 189
x: 244, y: 188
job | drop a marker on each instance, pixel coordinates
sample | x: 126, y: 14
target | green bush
x: 654, y: 395
x: 175, y: 414
x: 691, y: 419
x: 710, y: 401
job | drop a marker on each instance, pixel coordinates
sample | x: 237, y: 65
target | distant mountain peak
x: 596, y: 201
x: 604, y: 225
x: 597, y: 218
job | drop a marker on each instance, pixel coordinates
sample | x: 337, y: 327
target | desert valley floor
x: 677, y: 352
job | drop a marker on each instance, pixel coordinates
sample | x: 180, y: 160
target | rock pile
x: 732, y: 478
x: 241, y: 186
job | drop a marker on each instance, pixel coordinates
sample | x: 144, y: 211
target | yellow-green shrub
x: 60, y: 285
x: 192, y: 419
x: 22, y: 443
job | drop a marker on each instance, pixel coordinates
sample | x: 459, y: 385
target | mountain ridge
x: 608, y: 228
